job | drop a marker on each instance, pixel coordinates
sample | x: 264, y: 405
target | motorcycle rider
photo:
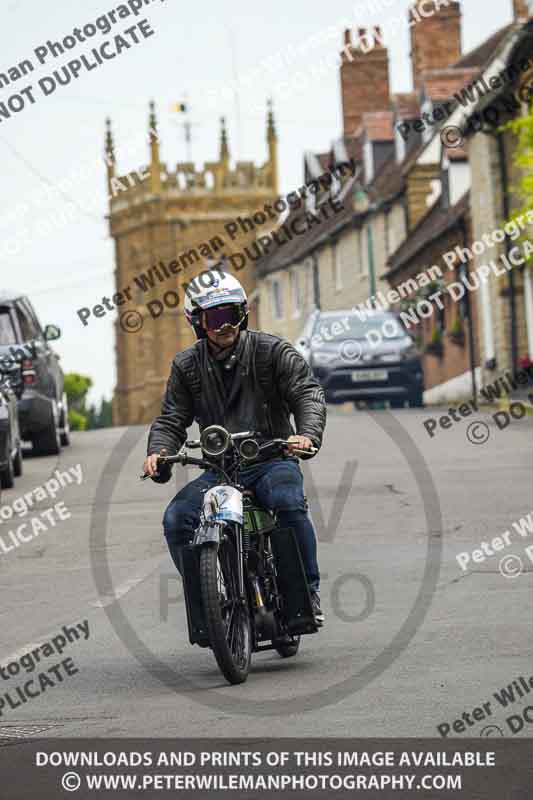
x: 243, y: 380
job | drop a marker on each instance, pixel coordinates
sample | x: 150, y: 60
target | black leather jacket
x: 270, y: 381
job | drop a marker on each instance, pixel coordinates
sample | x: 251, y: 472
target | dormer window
x: 368, y: 160
x: 427, y: 132
x: 399, y: 143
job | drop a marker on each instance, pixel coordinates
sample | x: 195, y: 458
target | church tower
x: 166, y: 223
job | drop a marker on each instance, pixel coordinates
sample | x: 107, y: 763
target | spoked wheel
x: 227, y: 617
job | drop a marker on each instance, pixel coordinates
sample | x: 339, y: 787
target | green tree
x: 81, y: 417
x: 522, y: 128
x: 76, y: 388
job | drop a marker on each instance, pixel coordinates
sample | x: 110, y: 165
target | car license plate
x: 370, y: 375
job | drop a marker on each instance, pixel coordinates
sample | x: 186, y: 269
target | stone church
x: 162, y: 221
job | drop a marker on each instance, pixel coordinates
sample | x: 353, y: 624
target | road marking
x: 23, y: 651
x: 125, y: 587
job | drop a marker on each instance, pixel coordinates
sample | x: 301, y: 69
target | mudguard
x: 292, y: 582
x: 193, y: 596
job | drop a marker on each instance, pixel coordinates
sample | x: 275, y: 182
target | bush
x: 78, y: 422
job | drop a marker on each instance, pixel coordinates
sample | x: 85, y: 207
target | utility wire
x: 47, y: 181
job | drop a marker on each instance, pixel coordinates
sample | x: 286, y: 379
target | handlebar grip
x: 311, y: 450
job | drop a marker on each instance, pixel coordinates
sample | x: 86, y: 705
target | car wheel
x: 397, y: 403
x: 7, y: 475
x: 48, y: 442
x: 17, y: 462
x: 417, y: 400
x: 64, y: 424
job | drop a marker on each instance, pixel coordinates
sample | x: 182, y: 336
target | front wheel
x: 64, y: 424
x: 416, y: 400
x: 227, y: 616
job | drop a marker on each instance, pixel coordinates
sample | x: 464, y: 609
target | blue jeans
x: 277, y: 484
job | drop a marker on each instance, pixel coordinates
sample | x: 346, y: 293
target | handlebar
x: 184, y: 459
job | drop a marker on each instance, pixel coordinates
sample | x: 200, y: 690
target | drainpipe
x: 316, y: 281
x: 470, y: 321
x: 371, y: 265
x: 504, y: 177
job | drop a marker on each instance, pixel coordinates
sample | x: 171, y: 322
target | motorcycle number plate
x: 223, y: 503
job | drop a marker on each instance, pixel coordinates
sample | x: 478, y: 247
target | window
x: 27, y: 329
x: 33, y: 317
x: 7, y: 332
x: 296, y: 292
x: 337, y: 267
x: 277, y: 299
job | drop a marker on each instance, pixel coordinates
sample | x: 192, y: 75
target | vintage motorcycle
x: 243, y: 576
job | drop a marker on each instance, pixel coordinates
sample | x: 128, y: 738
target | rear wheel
x: 288, y: 646
x: 227, y: 617
x: 48, y: 442
x: 17, y: 462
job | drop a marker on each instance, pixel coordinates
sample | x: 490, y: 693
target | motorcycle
x: 243, y: 577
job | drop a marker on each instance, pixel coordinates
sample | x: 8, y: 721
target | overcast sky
x: 197, y: 51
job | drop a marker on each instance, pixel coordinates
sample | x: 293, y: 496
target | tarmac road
x: 408, y: 644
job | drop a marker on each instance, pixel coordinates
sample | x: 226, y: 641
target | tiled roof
x: 480, y: 56
x: 432, y: 225
x: 354, y: 147
x: 388, y: 182
x: 297, y: 248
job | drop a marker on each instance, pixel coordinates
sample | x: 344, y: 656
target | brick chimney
x: 364, y: 74
x: 520, y: 10
x: 435, y: 39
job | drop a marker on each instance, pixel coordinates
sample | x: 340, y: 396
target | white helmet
x: 213, y: 287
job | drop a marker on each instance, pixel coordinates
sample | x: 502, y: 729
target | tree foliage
x: 81, y: 417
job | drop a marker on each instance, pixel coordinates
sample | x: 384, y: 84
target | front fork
x: 241, y: 555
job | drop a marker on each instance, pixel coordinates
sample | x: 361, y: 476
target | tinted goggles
x: 218, y: 317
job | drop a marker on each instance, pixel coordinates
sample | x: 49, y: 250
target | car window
x: 341, y: 327
x: 34, y: 319
x: 27, y: 328
x: 7, y: 332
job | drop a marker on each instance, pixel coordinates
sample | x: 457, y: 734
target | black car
x: 34, y: 373
x: 10, y: 439
x: 365, y: 355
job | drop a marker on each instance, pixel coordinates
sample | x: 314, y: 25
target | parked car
x: 363, y: 357
x: 10, y: 439
x: 36, y: 375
